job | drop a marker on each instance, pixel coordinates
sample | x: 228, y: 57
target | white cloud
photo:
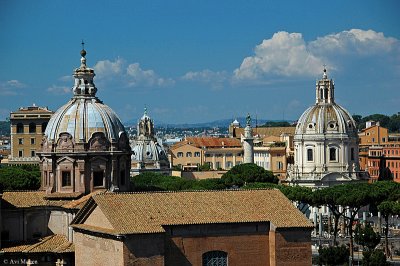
x: 289, y: 55
x: 215, y: 78
x: 285, y: 54
x: 109, y: 69
x: 59, y: 90
x: 137, y: 76
x: 362, y: 42
x: 11, y: 87
x: 128, y: 75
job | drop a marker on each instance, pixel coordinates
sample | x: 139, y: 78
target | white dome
x: 326, y: 118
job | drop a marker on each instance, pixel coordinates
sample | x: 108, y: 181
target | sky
x: 198, y: 61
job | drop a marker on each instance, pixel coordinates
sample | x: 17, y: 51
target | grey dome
x: 81, y: 118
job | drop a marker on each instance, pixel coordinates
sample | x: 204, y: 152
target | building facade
x: 218, y: 153
x: 85, y: 147
x: 325, y: 143
x: 28, y: 125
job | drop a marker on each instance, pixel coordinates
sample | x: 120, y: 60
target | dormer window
x: 311, y: 125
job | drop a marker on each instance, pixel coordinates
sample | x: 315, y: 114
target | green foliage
x: 333, y: 255
x: 277, y: 124
x: 156, y: 182
x: 205, y: 167
x: 248, y: 173
x: 4, y: 128
x: 256, y: 185
x: 374, y: 257
x: 366, y: 236
x: 25, y: 177
x: 392, y: 123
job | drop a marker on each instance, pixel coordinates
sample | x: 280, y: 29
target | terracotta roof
x: 27, y: 199
x: 135, y: 213
x: 209, y: 142
x: 267, y: 131
x: 79, y: 203
x: 53, y: 243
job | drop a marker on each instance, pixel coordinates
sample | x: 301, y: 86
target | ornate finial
x: 325, y: 75
x: 83, y: 52
x: 248, y: 119
x: 145, y: 110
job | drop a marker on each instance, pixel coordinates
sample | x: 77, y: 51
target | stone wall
x: 93, y: 250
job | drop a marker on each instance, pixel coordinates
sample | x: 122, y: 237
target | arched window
x: 20, y: 128
x: 188, y: 154
x: 332, y: 154
x: 215, y: 258
x: 310, y: 156
x: 32, y: 128
x: 44, y: 125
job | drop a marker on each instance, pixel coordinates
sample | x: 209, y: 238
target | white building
x: 325, y: 143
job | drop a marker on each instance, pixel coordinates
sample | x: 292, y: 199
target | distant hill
x: 216, y: 123
x: 4, y: 128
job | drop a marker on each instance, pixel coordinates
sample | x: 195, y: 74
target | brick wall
x: 290, y: 247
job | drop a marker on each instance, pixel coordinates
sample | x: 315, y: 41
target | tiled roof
x: 133, y: 213
x: 268, y: 131
x: 53, y: 243
x: 78, y: 204
x: 27, y: 199
x: 209, y: 142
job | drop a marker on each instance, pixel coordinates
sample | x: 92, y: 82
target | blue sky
x: 197, y: 61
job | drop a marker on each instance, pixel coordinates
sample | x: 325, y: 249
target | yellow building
x: 218, y: 153
x: 27, y: 130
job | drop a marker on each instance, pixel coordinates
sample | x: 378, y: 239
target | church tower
x: 85, y: 147
x: 247, y: 140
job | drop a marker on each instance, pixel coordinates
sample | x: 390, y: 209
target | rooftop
x: 136, y: 213
x: 53, y: 243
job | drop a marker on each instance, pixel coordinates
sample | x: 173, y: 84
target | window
x: 229, y: 164
x: 279, y: 165
x: 218, y: 165
x: 122, y: 177
x: 98, y: 177
x: 352, y: 154
x: 310, y: 155
x: 373, y: 139
x: 20, y: 128
x: 180, y: 154
x: 32, y: 128
x: 20, y: 141
x: 383, y: 139
x: 215, y: 258
x: 33, y: 153
x: 32, y: 141
x: 197, y: 154
x: 332, y: 154
x: 188, y: 154
x: 20, y: 153
x: 44, y: 125
x: 66, y: 178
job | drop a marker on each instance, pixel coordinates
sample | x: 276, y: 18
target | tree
x: 205, y: 167
x: 374, y: 257
x: 24, y: 177
x: 333, y: 255
x: 241, y: 174
x: 302, y: 196
x: 330, y: 197
x: 388, y: 208
x: 354, y: 196
x: 366, y: 236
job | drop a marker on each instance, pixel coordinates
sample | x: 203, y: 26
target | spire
x: 84, y: 85
x: 325, y: 76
